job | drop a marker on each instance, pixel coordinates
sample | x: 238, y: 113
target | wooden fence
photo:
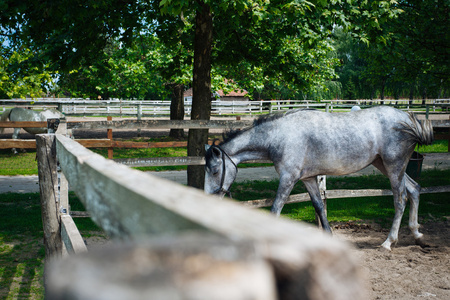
x: 442, y: 131
x: 182, y: 244
x: 147, y: 108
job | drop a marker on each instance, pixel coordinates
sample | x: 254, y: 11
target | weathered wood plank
x: 26, y: 124
x: 48, y: 189
x: 336, y: 194
x: 191, y: 266
x: 71, y: 236
x: 17, y: 143
x: 435, y: 189
x: 161, y: 161
x: 121, y: 144
x: 301, y: 256
x: 170, y: 161
x: 98, y: 143
x: 159, y: 124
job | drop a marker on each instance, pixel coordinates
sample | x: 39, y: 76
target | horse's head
x: 220, y: 170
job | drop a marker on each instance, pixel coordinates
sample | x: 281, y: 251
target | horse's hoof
x: 386, y: 246
x: 420, y: 242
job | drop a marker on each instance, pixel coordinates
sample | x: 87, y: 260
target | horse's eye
x: 214, y: 171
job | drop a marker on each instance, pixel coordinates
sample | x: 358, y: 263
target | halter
x: 222, y: 180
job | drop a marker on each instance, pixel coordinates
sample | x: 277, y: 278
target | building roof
x: 239, y: 93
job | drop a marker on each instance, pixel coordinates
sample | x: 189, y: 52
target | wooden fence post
x: 48, y: 188
x: 139, y: 117
x: 110, y: 137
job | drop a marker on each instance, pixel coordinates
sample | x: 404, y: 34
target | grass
x: 377, y: 209
x: 21, y: 244
x: 438, y: 146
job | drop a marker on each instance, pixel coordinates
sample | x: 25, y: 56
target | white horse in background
x: 19, y: 114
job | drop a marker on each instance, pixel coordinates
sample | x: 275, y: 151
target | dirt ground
x: 408, y: 271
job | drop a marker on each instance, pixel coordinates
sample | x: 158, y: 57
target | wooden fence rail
x: 142, y: 108
x: 212, y: 248
x: 440, y: 125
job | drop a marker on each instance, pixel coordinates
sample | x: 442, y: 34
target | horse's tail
x: 5, y: 117
x: 417, y: 131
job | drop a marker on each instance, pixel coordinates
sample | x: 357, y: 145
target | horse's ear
x: 216, y: 152
x: 207, y: 147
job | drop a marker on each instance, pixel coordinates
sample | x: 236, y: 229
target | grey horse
x: 306, y: 143
x: 19, y: 114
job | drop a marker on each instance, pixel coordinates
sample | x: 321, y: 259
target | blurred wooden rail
x: 242, y: 253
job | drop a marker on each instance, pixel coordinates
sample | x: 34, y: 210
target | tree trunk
x: 411, y: 94
x: 424, y: 96
x: 201, y: 100
x: 177, y: 108
x: 383, y: 86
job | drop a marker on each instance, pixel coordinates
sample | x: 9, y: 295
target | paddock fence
x: 158, y: 108
x: 176, y: 242
x: 441, y: 128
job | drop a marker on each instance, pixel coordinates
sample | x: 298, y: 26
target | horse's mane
x: 232, y: 133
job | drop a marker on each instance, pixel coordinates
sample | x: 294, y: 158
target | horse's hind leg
x: 313, y: 189
x: 400, y: 198
x: 413, y: 189
x: 413, y: 193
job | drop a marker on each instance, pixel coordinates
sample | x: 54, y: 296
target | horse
x: 306, y: 143
x: 19, y: 114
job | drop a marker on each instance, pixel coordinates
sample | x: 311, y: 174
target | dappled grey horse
x: 19, y: 114
x: 306, y: 143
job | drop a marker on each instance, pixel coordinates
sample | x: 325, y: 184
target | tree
x: 281, y: 41
x: 410, y: 59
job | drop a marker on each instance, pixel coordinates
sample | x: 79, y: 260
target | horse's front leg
x: 15, y: 136
x: 285, y: 187
x: 314, y: 193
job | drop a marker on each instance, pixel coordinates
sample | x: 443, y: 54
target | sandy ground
x: 408, y: 271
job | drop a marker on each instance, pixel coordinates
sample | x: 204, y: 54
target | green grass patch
x: 21, y: 244
x: 376, y: 209
x: 23, y: 163
x: 438, y: 146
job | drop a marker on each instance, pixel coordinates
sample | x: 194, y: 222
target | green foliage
x: 270, y: 48
x: 407, y: 60
x: 20, y: 76
x: 125, y: 72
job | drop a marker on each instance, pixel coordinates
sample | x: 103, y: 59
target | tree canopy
x: 284, y: 45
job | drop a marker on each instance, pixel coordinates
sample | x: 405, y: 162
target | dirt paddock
x: 408, y: 271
